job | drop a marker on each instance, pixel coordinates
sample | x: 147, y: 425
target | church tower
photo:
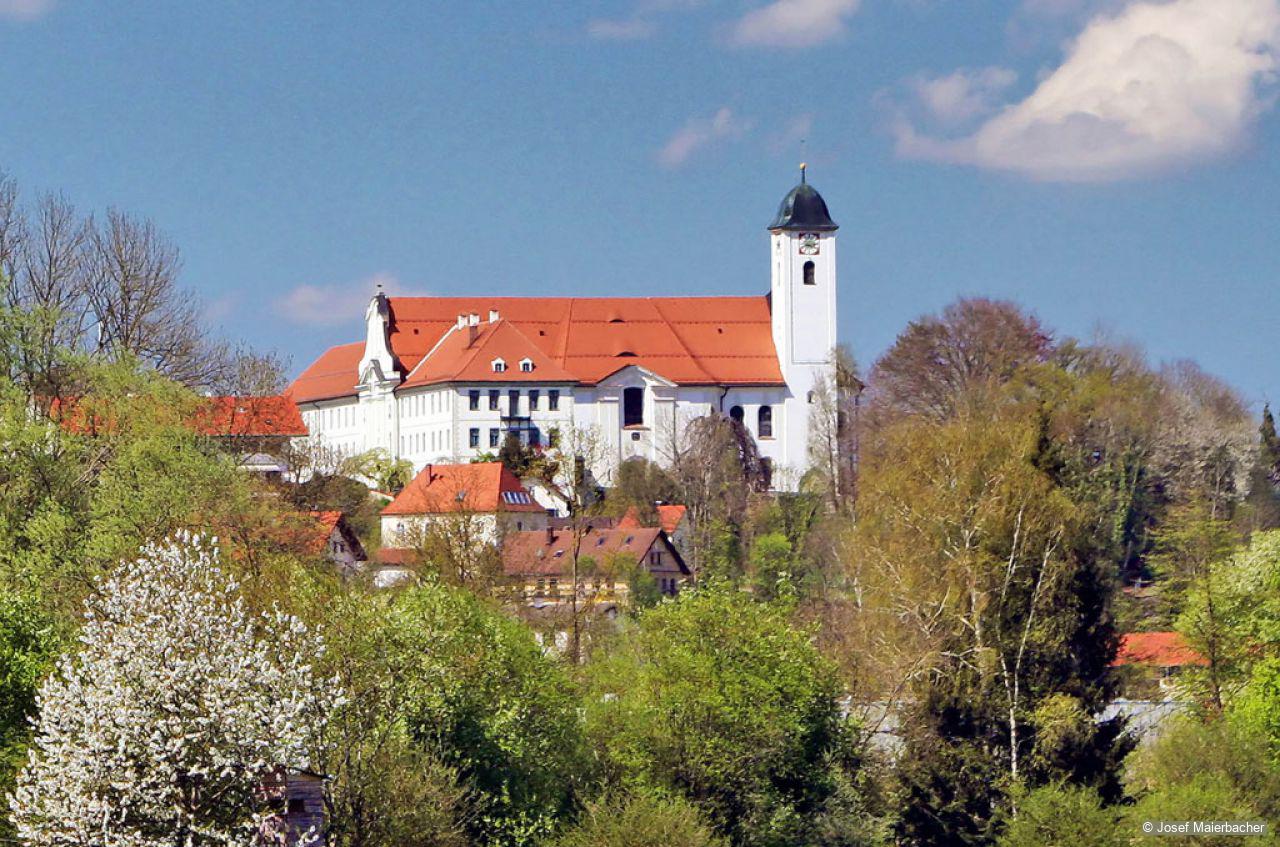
x: 802, y: 241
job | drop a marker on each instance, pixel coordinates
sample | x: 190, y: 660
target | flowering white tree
x: 177, y: 709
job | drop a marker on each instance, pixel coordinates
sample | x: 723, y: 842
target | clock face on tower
x: 809, y: 244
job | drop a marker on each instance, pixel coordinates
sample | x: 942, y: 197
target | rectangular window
x: 553, y: 400
x: 493, y: 399
x: 473, y: 400
x: 534, y: 396
x: 473, y: 437
x: 493, y: 437
x: 655, y: 558
x: 513, y: 403
x: 633, y: 407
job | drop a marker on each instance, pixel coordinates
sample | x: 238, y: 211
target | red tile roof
x: 249, y: 416
x: 669, y: 518
x: 396, y: 556
x: 483, y: 488
x: 688, y: 340
x: 326, y: 523
x: 550, y: 551
x: 330, y: 376
x: 459, y: 358
x: 1161, y: 649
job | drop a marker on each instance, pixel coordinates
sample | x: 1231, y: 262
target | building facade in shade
x: 447, y: 379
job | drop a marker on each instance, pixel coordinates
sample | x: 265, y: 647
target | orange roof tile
x: 669, y: 518
x: 483, y: 487
x: 330, y: 376
x: 688, y: 340
x: 460, y: 358
x: 1161, y: 649
x: 549, y: 551
x: 249, y: 416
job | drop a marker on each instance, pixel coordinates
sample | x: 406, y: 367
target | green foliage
x: 771, y: 566
x: 1216, y: 770
x: 384, y: 789
x: 717, y: 697
x: 643, y: 819
x: 640, y: 484
x: 29, y: 645
x: 1258, y: 707
x: 1064, y: 815
x: 484, y: 698
x: 377, y: 466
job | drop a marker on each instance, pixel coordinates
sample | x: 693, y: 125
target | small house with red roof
x: 485, y: 495
x: 334, y: 539
x: 443, y: 380
x: 539, y: 565
x: 672, y: 518
x: 1156, y: 656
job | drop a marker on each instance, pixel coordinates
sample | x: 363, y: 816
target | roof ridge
x: 684, y: 346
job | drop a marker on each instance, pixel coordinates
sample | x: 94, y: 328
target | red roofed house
x: 485, y: 494
x: 445, y: 379
x: 335, y: 539
x: 539, y: 564
x: 671, y: 518
x: 1165, y: 653
x: 258, y: 428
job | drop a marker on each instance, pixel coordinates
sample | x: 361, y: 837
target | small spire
x: 802, y: 167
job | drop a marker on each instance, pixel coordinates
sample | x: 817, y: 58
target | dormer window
x: 499, y: 366
x: 526, y: 366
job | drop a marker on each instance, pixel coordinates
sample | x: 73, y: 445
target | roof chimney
x: 493, y: 316
x: 462, y: 321
x: 551, y: 535
x: 473, y: 319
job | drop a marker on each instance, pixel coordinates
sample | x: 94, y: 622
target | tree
x: 941, y: 362
x: 28, y: 647
x: 641, y: 484
x: 484, y: 699
x: 1215, y: 770
x: 975, y: 599
x: 383, y: 788
x: 567, y: 473
x: 1192, y: 551
x: 717, y: 469
x: 644, y: 819
x: 715, y: 696
x: 176, y: 710
x: 1066, y: 815
x: 380, y: 469
x: 108, y: 289
x: 834, y: 422
x: 1269, y: 445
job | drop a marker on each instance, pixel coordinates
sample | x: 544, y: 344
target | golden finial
x: 802, y: 167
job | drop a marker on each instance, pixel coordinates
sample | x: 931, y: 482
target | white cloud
x: 699, y: 133
x: 331, y: 305
x: 794, y: 23
x: 964, y: 94
x: 25, y: 10
x: 1151, y: 87
x: 631, y: 29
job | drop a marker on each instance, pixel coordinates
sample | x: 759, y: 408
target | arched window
x: 808, y: 274
x: 633, y: 407
x: 764, y: 422
x: 736, y: 413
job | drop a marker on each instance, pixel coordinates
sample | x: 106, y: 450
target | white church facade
x: 447, y: 379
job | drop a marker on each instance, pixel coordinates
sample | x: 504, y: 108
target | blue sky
x: 1110, y: 164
